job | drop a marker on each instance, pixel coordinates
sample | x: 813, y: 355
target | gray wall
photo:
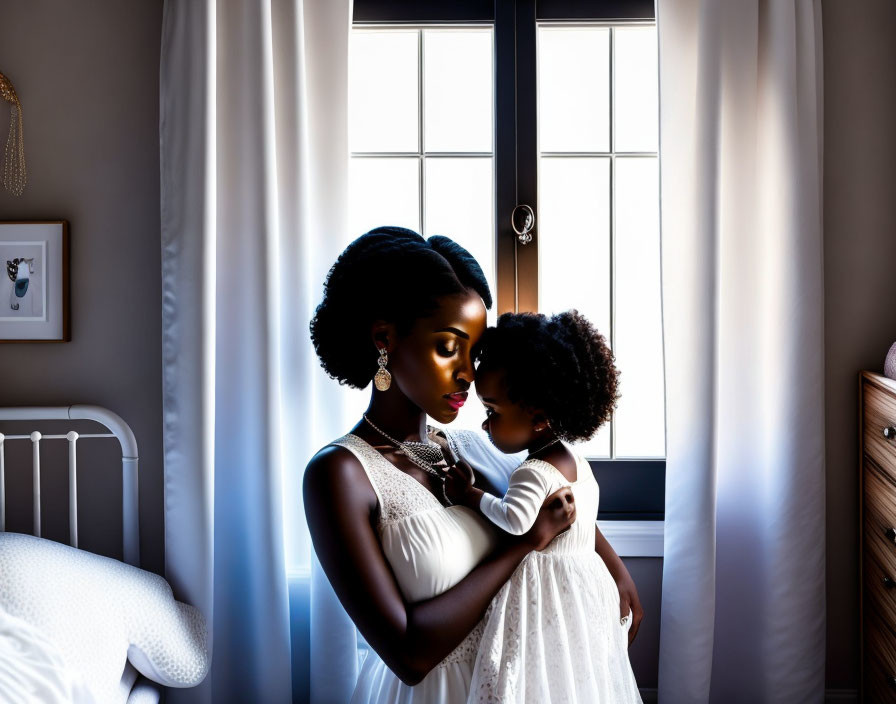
x: 860, y: 272
x: 644, y: 653
x: 87, y: 75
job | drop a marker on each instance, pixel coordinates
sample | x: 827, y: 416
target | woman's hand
x: 557, y: 514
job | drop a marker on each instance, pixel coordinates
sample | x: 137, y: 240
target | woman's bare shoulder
x: 334, y: 471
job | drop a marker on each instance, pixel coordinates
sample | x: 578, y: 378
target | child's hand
x: 459, y: 483
x: 628, y: 600
x: 437, y: 435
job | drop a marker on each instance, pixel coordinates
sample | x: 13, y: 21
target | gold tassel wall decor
x: 14, y: 175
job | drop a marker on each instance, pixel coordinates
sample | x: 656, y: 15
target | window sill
x: 628, y: 538
x: 634, y: 538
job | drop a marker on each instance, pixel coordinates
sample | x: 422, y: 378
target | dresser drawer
x: 879, y: 499
x: 880, y: 661
x: 879, y: 686
x: 879, y: 414
x: 879, y: 580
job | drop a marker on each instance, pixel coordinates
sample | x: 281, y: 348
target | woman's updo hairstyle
x: 392, y: 274
x: 560, y: 364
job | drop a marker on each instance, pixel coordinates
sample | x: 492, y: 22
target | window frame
x: 631, y: 489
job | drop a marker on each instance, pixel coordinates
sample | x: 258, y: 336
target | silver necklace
x: 422, y: 454
x: 429, y: 452
x: 544, y: 447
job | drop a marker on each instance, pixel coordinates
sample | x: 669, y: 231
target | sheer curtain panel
x: 254, y: 161
x: 743, y: 606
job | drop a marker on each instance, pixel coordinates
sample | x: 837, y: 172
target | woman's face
x: 509, y: 425
x: 432, y: 365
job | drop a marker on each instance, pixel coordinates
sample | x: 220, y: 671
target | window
x: 461, y: 111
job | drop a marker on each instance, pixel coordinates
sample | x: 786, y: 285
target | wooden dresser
x: 877, y: 556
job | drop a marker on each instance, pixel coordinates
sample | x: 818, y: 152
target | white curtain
x: 743, y: 606
x: 254, y: 163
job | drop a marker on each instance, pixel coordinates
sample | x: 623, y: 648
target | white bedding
x: 32, y: 670
x: 102, y: 618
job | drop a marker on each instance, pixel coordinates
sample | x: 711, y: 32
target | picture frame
x: 34, y: 284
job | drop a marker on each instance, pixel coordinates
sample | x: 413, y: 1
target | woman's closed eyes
x: 447, y: 350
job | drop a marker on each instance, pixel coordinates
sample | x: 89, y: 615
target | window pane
x: 459, y: 95
x: 573, y: 89
x: 597, y: 447
x: 635, y: 72
x: 574, y: 237
x: 383, y: 91
x: 459, y: 203
x: 383, y: 192
x: 574, y: 248
x: 638, y: 343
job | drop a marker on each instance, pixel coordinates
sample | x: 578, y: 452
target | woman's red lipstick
x: 457, y: 399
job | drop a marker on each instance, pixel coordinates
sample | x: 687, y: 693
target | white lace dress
x: 430, y: 548
x: 552, y: 634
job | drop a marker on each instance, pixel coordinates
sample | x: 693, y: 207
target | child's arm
x: 613, y: 562
x: 516, y: 511
x: 628, y: 593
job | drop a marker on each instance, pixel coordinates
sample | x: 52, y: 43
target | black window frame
x: 631, y: 489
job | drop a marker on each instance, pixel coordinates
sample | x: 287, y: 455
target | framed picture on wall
x: 34, y: 305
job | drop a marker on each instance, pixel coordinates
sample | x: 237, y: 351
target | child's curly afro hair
x: 560, y: 364
x: 392, y: 274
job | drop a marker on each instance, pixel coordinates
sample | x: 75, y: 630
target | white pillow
x: 144, y: 692
x: 99, y: 613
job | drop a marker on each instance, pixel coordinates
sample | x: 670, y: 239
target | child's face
x: 509, y: 425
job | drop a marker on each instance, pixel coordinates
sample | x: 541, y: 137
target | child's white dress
x: 552, y: 634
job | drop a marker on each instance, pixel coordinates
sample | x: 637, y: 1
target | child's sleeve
x: 516, y: 512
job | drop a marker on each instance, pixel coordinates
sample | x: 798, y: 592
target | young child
x: 553, y: 633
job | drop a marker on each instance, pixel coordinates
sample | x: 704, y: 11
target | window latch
x: 522, y: 220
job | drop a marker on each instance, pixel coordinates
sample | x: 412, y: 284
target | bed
x: 76, y: 626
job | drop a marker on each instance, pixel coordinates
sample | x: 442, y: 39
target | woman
x: 414, y: 574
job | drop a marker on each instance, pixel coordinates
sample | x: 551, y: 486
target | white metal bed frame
x: 129, y: 458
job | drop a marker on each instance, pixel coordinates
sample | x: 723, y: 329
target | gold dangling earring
x: 382, y: 379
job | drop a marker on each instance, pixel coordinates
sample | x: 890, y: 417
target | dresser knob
x: 889, y: 583
x: 891, y: 534
x: 889, y: 432
x: 891, y: 681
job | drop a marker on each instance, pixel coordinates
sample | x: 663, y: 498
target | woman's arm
x: 340, y: 506
x: 628, y: 593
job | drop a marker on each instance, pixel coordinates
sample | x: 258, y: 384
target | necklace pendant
x: 422, y: 454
